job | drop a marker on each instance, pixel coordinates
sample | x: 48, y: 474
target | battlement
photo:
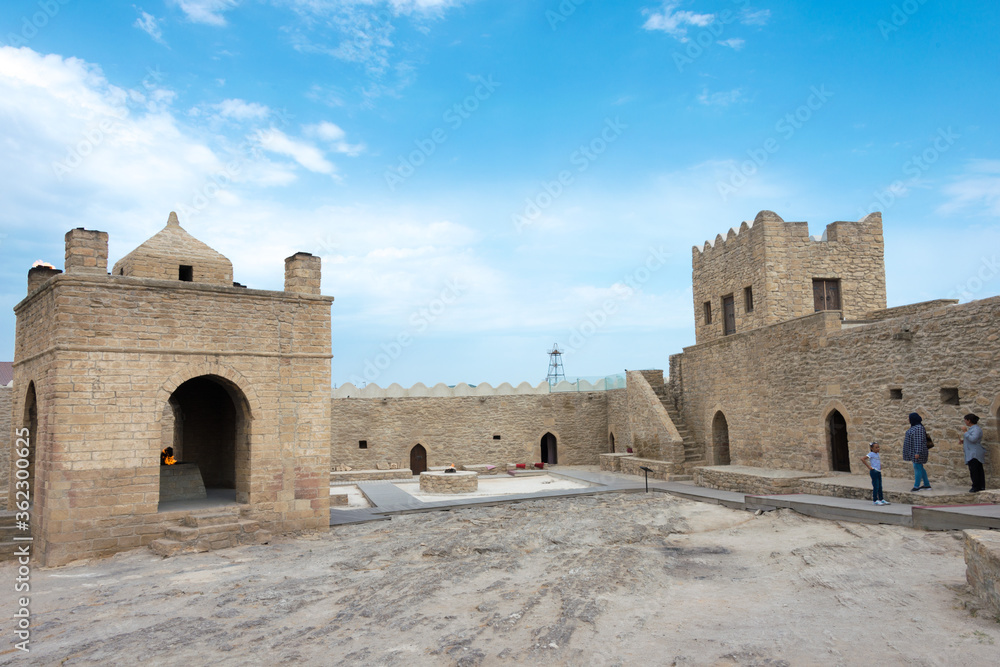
x: 767, y: 271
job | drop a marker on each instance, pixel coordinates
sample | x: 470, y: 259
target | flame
x: 167, y: 460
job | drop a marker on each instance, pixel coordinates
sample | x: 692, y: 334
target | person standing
x: 915, y: 450
x: 874, y: 463
x: 975, y: 453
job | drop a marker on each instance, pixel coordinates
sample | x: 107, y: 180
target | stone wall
x: 7, y: 429
x: 982, y: 561
x: 777, y: 386
x: 462, y: 430
x: 779, y: 261
x: 654, y: 435
x: 618, y: 422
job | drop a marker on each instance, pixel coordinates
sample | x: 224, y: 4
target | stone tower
x: 772, y: 271
x: 167, y: 350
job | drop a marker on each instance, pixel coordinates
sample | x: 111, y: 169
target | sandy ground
x: 614, y: 579
x: 498, y: 486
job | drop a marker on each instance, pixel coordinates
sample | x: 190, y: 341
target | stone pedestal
x: 449, y: 482
x: 181, y: 481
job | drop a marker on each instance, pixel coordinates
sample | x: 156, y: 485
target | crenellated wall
x: 778, y: 260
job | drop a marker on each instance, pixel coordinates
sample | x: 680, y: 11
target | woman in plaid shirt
x: 915, y: 449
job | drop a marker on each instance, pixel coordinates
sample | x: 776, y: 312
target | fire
x: 167, y: 457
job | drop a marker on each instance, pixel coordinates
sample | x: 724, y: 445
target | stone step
x: 183, y: 534
x: 210, y: 536
x: 214, y: 519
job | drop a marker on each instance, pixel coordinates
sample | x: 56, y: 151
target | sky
x: 485, y: 178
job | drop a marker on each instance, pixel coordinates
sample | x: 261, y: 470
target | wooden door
x: 729, y: 314
x: 418, y: 460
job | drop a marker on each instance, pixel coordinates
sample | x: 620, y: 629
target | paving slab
x: 835, y: 509
x: 957, y: 517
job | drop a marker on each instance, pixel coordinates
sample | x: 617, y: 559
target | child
x: 874, y: 463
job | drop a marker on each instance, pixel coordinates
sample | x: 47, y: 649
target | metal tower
x: 556, y: 373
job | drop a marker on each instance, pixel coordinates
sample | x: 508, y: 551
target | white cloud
x: 751, y: 16
x: 150, y: 25
x: 735, y: 43
x: 673, y: 22
x: 241, y: 110
x: 335, y: 137
x: 978, y: 187
x: 722, y: 99
x: 210, y: 12
x: 307, y: 155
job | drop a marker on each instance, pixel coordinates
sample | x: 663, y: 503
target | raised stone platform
x: 482, y: 469
x: 348, y: 476
x: 894, y: 489
x: 748, y: 479
x: 449, y: 482
x: 181, y: 481
x: 613, y: 462
x: 982, y: 563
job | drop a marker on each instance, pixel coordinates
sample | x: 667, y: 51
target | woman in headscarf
x: 915, y: 450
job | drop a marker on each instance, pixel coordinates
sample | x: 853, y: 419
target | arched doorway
x: 29, y: 421
x: 836, y: 433
x: 611, y: 438
x: 418, y: 459
x: 210, y: 427
x: 720, y: 439
x: 549, y: 454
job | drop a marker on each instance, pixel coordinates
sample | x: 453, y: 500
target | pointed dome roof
x: 173, y: 254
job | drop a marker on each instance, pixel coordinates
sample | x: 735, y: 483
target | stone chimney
x: 87, y: 251
x: 37, y: 275
x: 302, y: 273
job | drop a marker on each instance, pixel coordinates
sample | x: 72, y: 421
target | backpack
x: 930, y: 441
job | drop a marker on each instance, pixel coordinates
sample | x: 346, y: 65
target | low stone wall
x: 756, y: 481
x: 982, y: 562
x: 482, y: 469
x: 613, y: 462
x: 339, y: 500
x: 181, y: 481
x: 631, y: 465
x: 347, y: 476
x: 444, y: 482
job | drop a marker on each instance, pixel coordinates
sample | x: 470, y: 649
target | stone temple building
x: 798, y: 364
x: 166, y: 350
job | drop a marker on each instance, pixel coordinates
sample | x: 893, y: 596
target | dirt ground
x: 617, y: 579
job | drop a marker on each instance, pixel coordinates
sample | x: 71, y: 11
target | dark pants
x: 977, y: 474
x: 876, y: 484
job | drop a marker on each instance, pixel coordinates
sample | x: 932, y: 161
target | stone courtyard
x: 601, y: 580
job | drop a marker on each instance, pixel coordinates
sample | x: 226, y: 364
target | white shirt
x: 875, y: 460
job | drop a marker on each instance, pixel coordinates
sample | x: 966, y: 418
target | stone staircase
x: 694, y: 454
x: 205, y: 532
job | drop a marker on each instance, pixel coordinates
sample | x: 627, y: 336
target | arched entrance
x: 836, y: 433
x: 720, y: 439
x: 210, y: 427
x: 549, y: 454
x: 418, y: 459
x: 29, y: 421
x: 611, y: 438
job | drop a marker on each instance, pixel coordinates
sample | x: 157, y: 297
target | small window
x: 362, y: 444
x: 708, y: 312
x: 748, y: 299
x: 728, y: 315
x: 949, y: 396
x: 826, y: 294
x: 496, y: 437
x: 896, y: 394
x: 185, y: 273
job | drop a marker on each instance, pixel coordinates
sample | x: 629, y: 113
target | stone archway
x: 720, y: 439
x: 29, y: 421
x: 207, y: 421
x: 837, y: 442
x: 550, y: 454
x: 611, y: 441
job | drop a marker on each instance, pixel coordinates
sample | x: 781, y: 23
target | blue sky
x: 485, y: 178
